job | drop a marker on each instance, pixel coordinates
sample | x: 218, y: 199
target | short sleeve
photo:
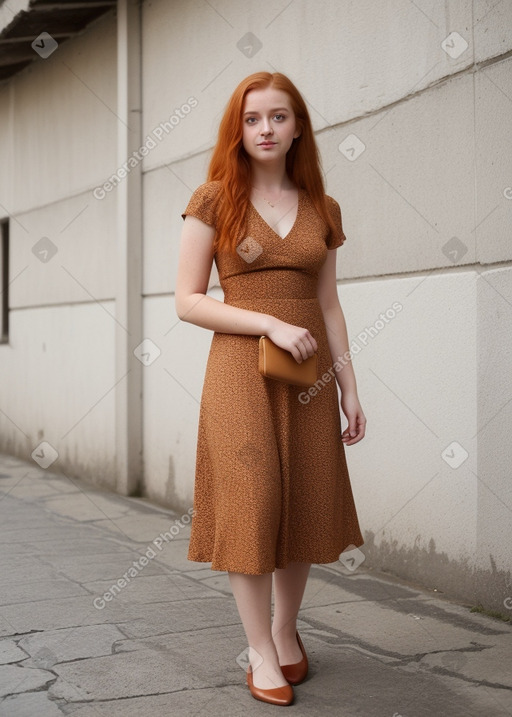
x: 336, y: 240
x: 203, y: 203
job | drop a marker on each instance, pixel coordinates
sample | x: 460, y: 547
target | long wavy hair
x: 230, y: 164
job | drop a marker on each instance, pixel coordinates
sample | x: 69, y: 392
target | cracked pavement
x: 91, y: 623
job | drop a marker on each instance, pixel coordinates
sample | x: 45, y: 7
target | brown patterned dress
x: 271, y: 485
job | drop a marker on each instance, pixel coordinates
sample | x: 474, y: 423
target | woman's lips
x: 267, y: 144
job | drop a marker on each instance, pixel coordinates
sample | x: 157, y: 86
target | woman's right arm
x: 194, y: 306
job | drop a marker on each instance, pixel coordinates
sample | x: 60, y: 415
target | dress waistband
x: 270, y: 284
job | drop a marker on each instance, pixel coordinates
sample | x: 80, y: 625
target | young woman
x: 272, y: 491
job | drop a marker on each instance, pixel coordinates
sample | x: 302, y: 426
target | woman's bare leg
x: 253, y: 594
x: 289, y: 586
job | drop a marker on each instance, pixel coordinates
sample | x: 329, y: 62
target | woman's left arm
x: 339, y: 347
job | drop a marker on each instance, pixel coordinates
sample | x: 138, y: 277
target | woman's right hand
x: 295, y: 339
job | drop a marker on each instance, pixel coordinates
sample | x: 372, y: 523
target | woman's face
x: 269, y: 125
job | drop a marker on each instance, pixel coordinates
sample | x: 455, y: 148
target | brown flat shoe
x: 277, y: 696
x: 295, y: 674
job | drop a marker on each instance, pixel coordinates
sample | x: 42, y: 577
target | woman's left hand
x: 356, y: 419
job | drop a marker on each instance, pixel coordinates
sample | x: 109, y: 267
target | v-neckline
x: 299, y: 202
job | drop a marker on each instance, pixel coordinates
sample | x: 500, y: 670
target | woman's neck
x: 270, y: 178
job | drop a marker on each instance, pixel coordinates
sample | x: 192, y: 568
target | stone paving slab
x: 31, y: 534
x: 24, y: 549
x: 60, y: 486
x: 473, y: 662
x: 32, y: 704
x: 195, y: 614
x: 86, y: 507
x: 144, y: 528
x: 90, y: 568
x: 214, y: 580
x: 30, y: 516
x: 228, y: 701
x: 364, y: 686
x: 14, y: 678
x: 59, y: 613
x: 132, y: 674
x: 25, y: 488
x: 376, y: 626
x: 166, y: 663
x: 10, y: 652
x: 325, y: 588
x: 174, y: 554
x: 362, y: 584
x: 70, y: 644
x: 74, y: 546
x: 25, y: 568
x: 30, y: 591
x: 153, y: 588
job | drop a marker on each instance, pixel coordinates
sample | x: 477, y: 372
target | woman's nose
x: 266, y: 128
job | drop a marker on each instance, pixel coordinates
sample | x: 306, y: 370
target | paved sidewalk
x: 72, y: 641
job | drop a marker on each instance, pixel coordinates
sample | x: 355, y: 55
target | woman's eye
x: 251, y: 120
x: 280, y: 117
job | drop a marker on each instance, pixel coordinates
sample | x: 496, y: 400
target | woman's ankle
x: 284, y: 633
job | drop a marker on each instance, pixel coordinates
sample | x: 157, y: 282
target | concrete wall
x: 57, y: 141
x: 415, y: 149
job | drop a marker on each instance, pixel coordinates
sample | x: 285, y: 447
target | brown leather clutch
x: 279, y: 364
